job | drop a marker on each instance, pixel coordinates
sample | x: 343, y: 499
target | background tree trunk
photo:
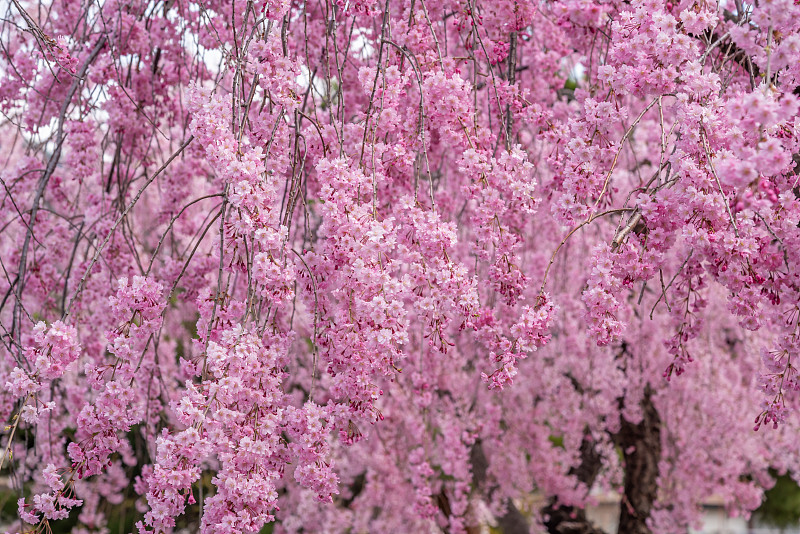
x: 641, y: 449
x: 570, y: 519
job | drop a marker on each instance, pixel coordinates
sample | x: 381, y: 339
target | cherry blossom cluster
x: 396, y: 265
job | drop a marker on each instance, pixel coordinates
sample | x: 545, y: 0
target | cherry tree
x: 397, y: 266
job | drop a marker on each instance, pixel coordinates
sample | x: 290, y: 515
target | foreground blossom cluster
x: 396, y: 266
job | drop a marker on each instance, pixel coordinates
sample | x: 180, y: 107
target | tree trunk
x: 641, y: 449
x: 570, y: 519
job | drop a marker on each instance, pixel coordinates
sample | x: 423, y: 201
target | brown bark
x: 641, y: 449
x: 512, y: 521
x: 570, y: 519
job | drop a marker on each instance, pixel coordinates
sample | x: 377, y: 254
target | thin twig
x: 124, y: 214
